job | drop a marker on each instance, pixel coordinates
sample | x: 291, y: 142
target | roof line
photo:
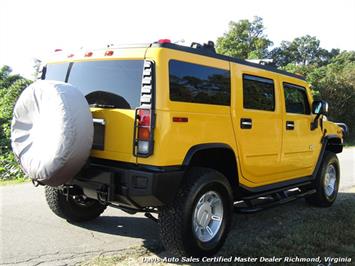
x: 209, y: 53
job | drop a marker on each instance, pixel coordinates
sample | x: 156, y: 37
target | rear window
x: 109, y: 83
x: 198, y: 84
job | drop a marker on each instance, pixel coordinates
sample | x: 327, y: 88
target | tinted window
x: 258, y: 93
x: 296, y: 99
x: 198, y: 84
x: 56, y: 71
x: 114, y: 84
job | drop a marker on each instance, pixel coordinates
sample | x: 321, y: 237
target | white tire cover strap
x: 52, y: 131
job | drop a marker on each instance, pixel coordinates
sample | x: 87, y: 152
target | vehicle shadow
x: 296, y: 229
x: 128, y: 226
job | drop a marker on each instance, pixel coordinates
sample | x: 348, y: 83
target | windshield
x: 109, y: 83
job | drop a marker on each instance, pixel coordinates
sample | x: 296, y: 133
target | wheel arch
x: 218, y: 156
x: 332, y: 143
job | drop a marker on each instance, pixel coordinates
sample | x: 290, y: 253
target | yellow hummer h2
x: 193, y: 135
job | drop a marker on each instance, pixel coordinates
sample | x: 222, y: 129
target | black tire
x: 70, y: 209
x: 176, y: 219
x: 325, y: 197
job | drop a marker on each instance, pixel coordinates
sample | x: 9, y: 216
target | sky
x: 34, y: 28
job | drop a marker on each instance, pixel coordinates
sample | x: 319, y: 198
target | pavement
x: 32, y: 235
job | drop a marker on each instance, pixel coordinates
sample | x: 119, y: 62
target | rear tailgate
x: 111, y: 83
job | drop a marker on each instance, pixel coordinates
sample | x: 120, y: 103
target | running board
x: 270, y: 200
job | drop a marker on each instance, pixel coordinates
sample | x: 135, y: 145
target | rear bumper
x: 130, y: 186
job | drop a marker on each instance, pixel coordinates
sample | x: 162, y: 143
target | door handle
x: 99, y: 121
x: 290, y: 125
x: 246, y: 123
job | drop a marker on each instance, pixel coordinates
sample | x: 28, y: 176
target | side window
x: 258, y: 93
x: 296, y: 99
x: 198, y: 84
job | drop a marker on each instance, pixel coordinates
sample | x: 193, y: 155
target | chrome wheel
x: 207, y: 216
x: 330, y: 180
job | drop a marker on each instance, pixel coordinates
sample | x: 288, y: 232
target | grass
x: 294, y: 229
x: 5, y: 182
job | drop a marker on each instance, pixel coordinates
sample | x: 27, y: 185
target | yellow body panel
x: 266, y: 154
x: 119, y: 124
x: 206, y: 123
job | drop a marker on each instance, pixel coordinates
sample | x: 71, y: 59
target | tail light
x: 109, y: 53
x: 145, y: 116
x: 144, y: 132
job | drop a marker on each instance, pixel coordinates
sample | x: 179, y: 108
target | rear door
x: 257, y: 121
x: 112, y: 87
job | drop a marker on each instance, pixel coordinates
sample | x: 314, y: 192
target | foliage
x: 245, y: 40
x: 336, y: 84
x: 303, y: 51
x: 11, y: 87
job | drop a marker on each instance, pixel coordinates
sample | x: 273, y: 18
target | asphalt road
x: 32, y: 235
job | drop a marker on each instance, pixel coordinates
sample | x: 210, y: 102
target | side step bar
x: 256, y: 204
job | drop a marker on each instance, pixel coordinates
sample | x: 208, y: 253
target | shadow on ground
x: 294, y: 229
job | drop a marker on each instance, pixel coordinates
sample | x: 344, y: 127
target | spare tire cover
x: 52, y: 131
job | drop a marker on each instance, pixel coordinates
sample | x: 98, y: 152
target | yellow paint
x: 266, y: 154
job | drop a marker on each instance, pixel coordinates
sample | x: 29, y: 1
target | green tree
x: 335, y: 83
x: 11, y: 87
x: 245, y: 40
x: 303, y: 51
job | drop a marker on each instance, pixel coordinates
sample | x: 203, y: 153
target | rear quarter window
x: 198, y: 84
x: 56, y: 71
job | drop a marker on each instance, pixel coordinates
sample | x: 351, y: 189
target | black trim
x: 283, y: 184
x: 200, y: 147
x: 68, y: 71
x: 206, y: 52
x: 147, y: 101
x: 128, y: 185
x: 278, y: 198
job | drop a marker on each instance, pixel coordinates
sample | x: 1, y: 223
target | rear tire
x: 327, y: 182
x: 197, y: 222
x: 70, y: 209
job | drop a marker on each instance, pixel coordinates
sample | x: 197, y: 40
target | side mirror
x: 320, y: 108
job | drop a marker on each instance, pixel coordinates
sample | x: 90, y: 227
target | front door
x: 301, y: 145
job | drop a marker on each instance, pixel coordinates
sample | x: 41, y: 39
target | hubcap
x: 207, y: 216
x: 330, y: 180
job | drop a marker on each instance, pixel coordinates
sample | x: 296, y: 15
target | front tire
x: 327, y: 182
x: 197, y: 222
x: 70, y: 209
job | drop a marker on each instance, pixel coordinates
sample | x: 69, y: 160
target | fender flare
x: 325, y: 140
x: 205, y: 146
